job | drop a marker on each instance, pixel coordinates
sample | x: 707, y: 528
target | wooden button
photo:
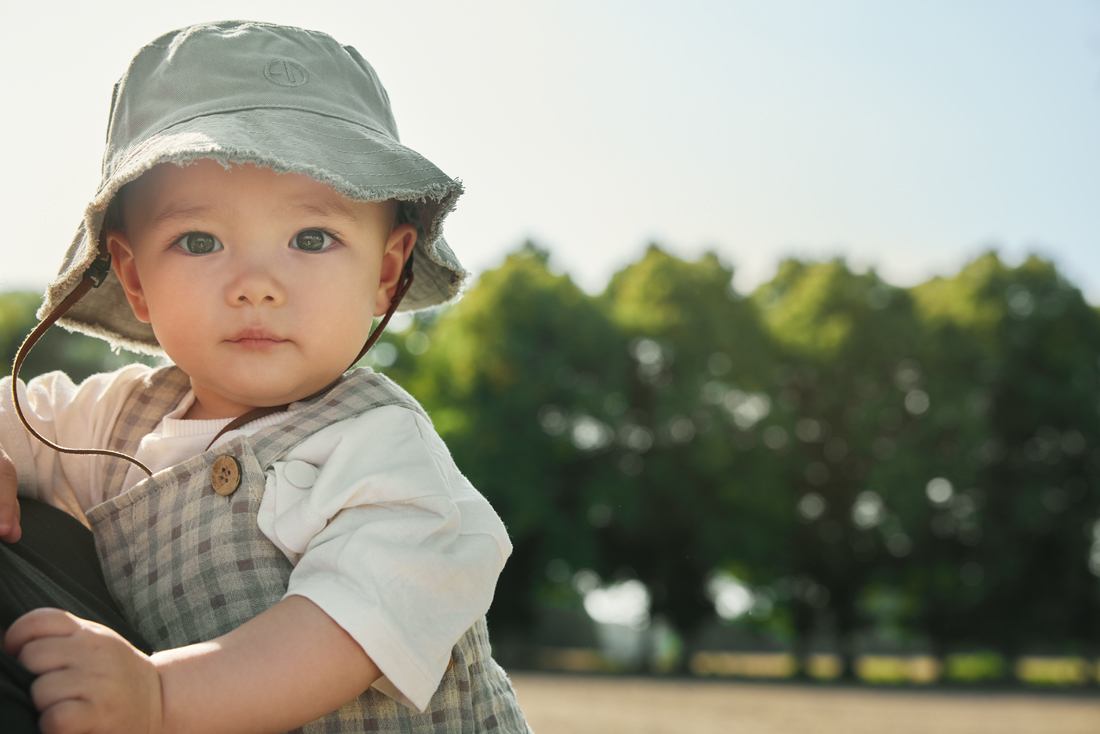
x: 225, y: 475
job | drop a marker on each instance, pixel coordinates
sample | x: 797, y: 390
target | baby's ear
x: 399, y: 247
x: 122, y: 262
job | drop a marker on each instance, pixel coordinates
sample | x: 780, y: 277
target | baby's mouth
x: 256, y: 339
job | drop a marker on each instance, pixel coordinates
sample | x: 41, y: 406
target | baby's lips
x: 253, y: 333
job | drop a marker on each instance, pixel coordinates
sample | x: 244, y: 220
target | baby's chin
x: 234, y: 398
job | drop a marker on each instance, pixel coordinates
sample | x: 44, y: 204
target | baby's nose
x: 256, y: 286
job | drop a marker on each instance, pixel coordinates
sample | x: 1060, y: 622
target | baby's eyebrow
x: 328, y: 209
x: 178, y: 211
x: 183, y: 211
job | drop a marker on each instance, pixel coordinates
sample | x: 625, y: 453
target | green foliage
x: 688, y: 334
x: 1025, y: 536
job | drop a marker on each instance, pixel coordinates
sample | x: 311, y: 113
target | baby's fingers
x: 36, y: 625
x: 45, y: 654
x: 9, y: 502
x: 70, y: 716
x: 57, y: 687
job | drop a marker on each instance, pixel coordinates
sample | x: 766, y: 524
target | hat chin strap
x: 402, y: 289
x: 93, y: 277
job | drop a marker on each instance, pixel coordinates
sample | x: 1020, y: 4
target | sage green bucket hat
x: 284, y: 98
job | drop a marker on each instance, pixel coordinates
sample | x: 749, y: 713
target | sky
x: 907, y: 137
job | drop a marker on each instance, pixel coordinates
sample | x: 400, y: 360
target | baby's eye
x: 312, y: 240
x: 199, y: 243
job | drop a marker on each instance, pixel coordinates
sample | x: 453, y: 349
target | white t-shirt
x: 385, y: 534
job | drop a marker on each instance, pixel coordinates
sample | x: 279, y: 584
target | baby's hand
x: 9, y: 503
x: 90, y: 680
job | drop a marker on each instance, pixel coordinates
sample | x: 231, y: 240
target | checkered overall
x: 187, y: 565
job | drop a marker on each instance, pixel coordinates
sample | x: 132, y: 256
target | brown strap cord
x: 406, y: 284
x: 93, y: 277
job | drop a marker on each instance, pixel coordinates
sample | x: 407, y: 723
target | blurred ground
x: 564, y: 704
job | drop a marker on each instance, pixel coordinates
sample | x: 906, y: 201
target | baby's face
x: 260, y: 286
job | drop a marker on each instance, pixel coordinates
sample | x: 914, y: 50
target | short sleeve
x: 390, y: 540
x: 79, y: 416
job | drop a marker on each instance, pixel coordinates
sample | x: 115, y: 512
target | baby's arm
x: 285, y: 667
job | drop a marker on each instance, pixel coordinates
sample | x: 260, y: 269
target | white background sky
x: 905, y: 136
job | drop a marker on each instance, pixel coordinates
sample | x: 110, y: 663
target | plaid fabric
x: 187, y: 565
x: 148, y: 402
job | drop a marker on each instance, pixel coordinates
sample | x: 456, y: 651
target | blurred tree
x: 1019, y: 525
x: 846, y: 387
x: 703, y: 495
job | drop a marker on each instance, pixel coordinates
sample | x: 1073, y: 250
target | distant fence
x: 875, y: 669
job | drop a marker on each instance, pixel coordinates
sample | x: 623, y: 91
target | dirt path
x: 562, y: 704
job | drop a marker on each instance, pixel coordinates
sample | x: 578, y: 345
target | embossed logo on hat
x: 286, y: 73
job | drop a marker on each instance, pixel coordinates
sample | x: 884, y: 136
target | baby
x: 305, y: 552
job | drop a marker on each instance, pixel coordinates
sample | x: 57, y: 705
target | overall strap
x: 354, y: 393
x: 148, y: 402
